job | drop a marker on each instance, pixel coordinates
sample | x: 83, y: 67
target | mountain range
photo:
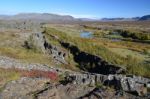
x: 47, y: 17
x: 38, y: 16
x: 146, y: 17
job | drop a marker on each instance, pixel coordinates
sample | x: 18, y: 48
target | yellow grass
x: 25, y: 55
x: 6, y: 76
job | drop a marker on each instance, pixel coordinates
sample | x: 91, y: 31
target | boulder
x: 38, y: 42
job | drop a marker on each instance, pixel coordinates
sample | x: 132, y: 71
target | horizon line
x: 67, y: 14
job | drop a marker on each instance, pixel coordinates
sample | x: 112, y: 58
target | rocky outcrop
x: 74, y: 83
x: 132, y: 84
x: 23, y: 88
x: 10, y: 63
x: 35, y: 41
x: 38, y: 42
x: 37, y: 88
x: 104, y: 93
x: 101, y: 93
x: 56, y: 52
x: 69, y: 91
x: 41, y: 88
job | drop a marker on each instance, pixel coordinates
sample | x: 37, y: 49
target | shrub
x: 145, y: 51
x: 134, y: 34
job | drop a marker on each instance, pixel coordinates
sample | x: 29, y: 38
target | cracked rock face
x: 22, y: 88
x: 57, y: 53
x: 131, y: 84
x: 104, y: 93
x: 40, y: 88
x: 65, y: 92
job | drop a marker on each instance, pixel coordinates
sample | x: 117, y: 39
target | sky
x: 78, y: 8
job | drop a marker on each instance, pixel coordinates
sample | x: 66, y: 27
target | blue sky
x: 78, y: 8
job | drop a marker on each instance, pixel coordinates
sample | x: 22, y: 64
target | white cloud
x: 82, y: 16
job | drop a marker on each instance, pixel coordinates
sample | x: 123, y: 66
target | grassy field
x: 7, y: 76
x: 25, y: 55
x: 127, y: 52
x: 72, y: 30
x: 11, y: 45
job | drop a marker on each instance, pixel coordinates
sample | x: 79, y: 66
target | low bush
x: 13, y: 74
x: 40, y: 74
x: 134, y: 34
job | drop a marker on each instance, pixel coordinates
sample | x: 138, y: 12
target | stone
x: 141, y: 89
x: 58, y: 54
x: 148, y: 85
x: 120, y: 82
x: 37, y: 88
x: 99, y: 93
x: 38, y: 42
x: 110, y: 77
x: 23, y: 88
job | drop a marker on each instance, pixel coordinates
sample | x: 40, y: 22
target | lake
x: 86, y: 34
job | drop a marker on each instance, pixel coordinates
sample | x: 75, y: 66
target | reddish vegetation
x: 36, y: 73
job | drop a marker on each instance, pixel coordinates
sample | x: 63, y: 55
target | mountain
x: 120, y: 19
x: 144, y: 18
x: 4, y: 16
x: 38, y: 16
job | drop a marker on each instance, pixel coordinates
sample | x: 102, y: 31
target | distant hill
x: 144, y: 18
x: 4, y: 16
x: 120, y: 19
x: 38, y: 16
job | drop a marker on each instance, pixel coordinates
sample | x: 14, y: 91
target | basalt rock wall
x: 132, y: 84
x: 92, y: 63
